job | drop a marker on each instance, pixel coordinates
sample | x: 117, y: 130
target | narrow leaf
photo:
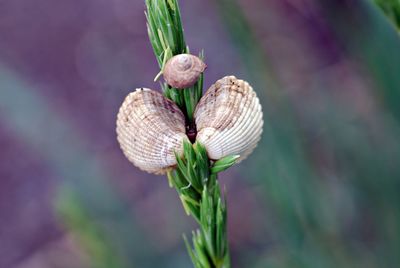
x: 224, y: 163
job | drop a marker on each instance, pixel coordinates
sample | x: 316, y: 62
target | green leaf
x: 189, y: 95
x: 191, y: 253
x: 200, y: 250
x: 220, y: 232
x: 224, y: 163
x: 165, y: 28
x: 391, y: 9
x: 170, y: 179
x: 207, y: 220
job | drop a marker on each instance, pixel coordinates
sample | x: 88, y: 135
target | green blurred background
x: 321, y: 190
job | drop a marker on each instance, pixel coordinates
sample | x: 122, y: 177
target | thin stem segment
x: 195, y: 177
x: 201, y: 197
x: 165, y: 31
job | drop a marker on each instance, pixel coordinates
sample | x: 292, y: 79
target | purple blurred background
x: 66, y: 66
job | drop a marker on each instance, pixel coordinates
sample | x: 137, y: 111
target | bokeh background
x: 321, y: 190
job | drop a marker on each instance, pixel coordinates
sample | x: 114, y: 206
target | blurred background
x: 321, y: 190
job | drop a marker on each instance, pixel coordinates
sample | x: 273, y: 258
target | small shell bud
x: 229, y: 119
x: 150, y: 129
x: 183, y: 71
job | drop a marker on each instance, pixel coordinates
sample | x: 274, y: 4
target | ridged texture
x: 229, y: 119
x: 183, y: 71
x: 150, y: 128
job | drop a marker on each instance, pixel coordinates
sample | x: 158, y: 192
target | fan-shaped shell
x: 183, y: 71
x: 229, y: 119
x: 150, y: 128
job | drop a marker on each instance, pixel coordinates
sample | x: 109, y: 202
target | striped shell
x: 150, y: 128
x: 183, y: 71
x: 229, y: 119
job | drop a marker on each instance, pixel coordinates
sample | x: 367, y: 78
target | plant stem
x: 195, y: 178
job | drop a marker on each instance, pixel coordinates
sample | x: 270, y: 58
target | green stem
x: 195, y: 178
